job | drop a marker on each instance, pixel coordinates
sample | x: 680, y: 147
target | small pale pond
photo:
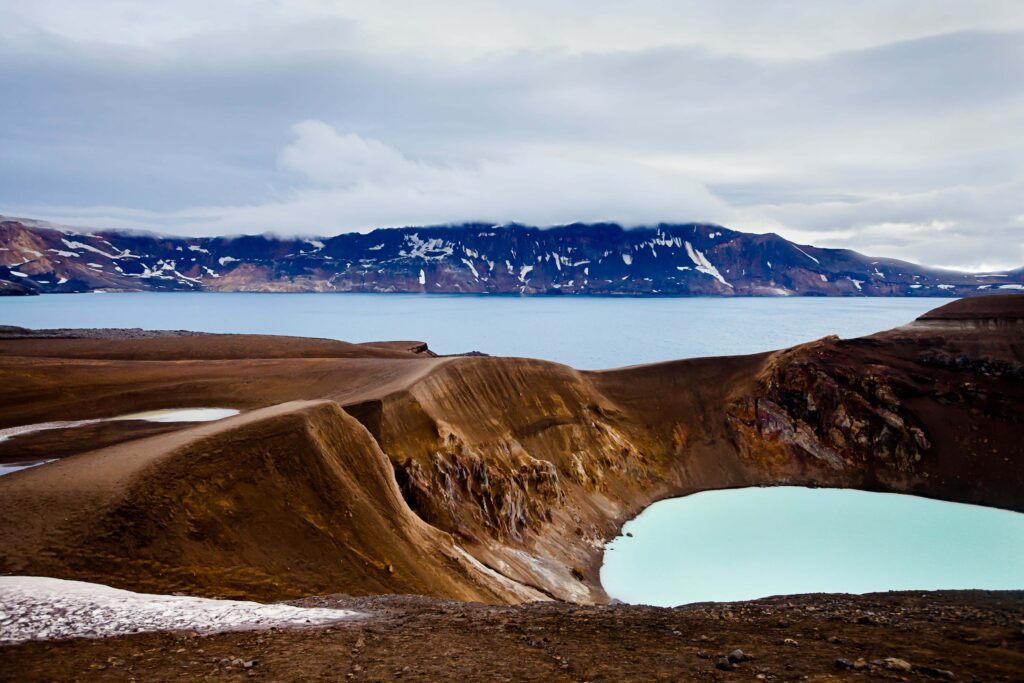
x: 180, y: 415
x: 749, y: 543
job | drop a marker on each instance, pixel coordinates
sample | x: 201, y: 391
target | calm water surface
x: 750, y: 543
x: 585, y: 332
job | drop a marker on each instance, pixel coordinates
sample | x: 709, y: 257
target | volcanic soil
x: 941, y: 636
x: 374, y: 469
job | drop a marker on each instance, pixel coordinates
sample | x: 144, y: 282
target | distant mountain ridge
x: 598, y: 259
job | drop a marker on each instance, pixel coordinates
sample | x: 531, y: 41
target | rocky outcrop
x: 807, y: 406
x: 913, y: 409
x: 9, y: 288
x: 602, y: 259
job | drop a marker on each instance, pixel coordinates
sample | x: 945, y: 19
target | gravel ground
x: 953, y: 635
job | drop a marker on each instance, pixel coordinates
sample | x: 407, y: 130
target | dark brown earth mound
x: 944, y: 636
x: 990, y: 307
x: 527, y: 466
x: 15, y: 332
x: 145, y: 345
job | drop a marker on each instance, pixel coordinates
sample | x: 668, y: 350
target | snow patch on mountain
x: 703, y: 265
x: 806, y: 254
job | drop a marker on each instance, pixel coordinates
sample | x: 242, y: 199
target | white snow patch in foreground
x: 41, y: 608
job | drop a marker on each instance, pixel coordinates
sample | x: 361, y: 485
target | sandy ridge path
x: 104, y: 473
x: 45, y: 389
x: 84, y: 485
x: 288, y: 500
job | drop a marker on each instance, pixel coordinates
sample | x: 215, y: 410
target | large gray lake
x: 585, y: 332
x: 749, y: 543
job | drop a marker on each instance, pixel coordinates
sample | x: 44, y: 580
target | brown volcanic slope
x: 527, y: 466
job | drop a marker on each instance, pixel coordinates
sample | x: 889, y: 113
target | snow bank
x: 41, y: 608
x: 179, y: 415
x: 11, y: 432
x: 169, y: 415
x: 703, y: 265
x: 10, y: 467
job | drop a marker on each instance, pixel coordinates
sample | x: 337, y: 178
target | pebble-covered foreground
x: 916, y: 637
x: 40, y: 608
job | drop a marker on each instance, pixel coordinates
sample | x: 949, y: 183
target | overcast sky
x: 895, y: 127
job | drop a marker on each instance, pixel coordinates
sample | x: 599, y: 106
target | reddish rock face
x: 600, y: 259
x: 912, y: 409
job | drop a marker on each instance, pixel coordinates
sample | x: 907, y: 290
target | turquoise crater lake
x: 743, y: 544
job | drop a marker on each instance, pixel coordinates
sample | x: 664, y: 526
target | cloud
x: 326, y: 157
x: 470, y: 28
x: 361, y: 183
x: 972, y: 228
x: 355, y: 183
x: 904, y: 137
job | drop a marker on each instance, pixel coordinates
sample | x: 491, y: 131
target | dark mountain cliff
x: 603, y: 259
